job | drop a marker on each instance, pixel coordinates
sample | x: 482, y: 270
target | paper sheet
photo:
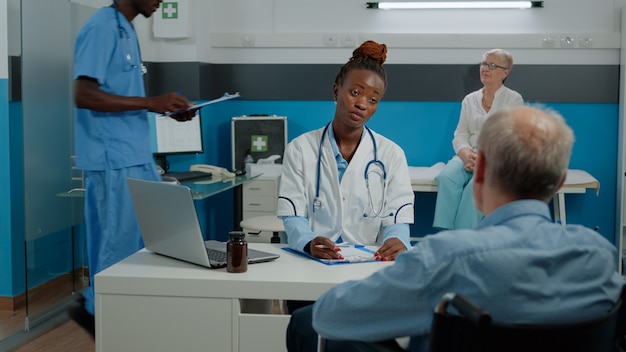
x: 353, y: 254
x: 226, y: 96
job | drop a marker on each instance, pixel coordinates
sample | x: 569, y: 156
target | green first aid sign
x: 169, y: 10
x: 258, y: 143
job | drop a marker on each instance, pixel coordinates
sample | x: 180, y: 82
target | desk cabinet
x: 259, y: 199
x: 149, y: 302
x: 163, y: 323
x: 259, y: 331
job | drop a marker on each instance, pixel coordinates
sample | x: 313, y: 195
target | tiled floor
x: 11, y: 322
x: 67, y: 337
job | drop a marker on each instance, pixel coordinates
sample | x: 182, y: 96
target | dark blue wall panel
x: 424, y: 130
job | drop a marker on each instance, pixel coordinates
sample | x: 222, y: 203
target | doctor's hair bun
x: 368, y: 56
x: 371, y: 49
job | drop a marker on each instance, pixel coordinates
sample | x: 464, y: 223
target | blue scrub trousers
x: 111, y: 225
x: 455, y: 207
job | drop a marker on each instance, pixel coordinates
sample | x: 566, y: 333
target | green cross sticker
x: 258, y: 143
x: 169, y: 10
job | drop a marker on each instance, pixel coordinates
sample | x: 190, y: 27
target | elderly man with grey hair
x: 516, y: 263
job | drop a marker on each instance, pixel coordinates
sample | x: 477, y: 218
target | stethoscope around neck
x: 126, y: 43
x: 374, y: 165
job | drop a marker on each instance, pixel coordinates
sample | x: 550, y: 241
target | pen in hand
x: 323, y: 246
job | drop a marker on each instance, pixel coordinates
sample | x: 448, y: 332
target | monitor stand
x: 161, y: 161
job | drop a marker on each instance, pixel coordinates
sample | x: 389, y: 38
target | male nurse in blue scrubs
x: 111, y: 135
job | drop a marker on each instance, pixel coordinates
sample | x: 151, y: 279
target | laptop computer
x: 174, y: 230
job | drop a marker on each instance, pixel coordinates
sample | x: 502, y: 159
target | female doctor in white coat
x: 344, y: 182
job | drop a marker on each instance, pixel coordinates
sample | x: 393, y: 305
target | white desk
x: 149, y: 302
x: 577, y: 181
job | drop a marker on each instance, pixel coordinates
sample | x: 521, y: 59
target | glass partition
x: 54, y: 264
x: 47, y: 123
x: 12, y: 309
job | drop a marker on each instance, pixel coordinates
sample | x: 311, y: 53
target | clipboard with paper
x: 352, y: 253
x: 226, y: 96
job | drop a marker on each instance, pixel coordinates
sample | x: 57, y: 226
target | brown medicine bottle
x: 237, y: 252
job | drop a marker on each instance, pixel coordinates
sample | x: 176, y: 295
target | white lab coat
x: 344, y: 204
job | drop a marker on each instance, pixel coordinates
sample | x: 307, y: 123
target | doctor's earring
x: 335, y: 102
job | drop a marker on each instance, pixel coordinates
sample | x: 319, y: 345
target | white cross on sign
x: 170, y: 10
x: 259, y: 143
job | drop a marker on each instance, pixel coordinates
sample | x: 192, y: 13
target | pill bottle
x: 237, y: 252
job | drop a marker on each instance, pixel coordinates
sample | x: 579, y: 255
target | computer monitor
x: 170, y: 137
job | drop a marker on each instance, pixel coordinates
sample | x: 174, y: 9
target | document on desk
x: 226, y: 96
x: 353, y: 253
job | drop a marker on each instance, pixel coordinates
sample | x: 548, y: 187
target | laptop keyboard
x: 216, y: 256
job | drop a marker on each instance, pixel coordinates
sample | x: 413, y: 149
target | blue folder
x: 354, y: 257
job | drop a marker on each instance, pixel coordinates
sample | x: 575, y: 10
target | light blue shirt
x: 110, y: 54
x: 298, y: 226
x: 517, y: 264
x: 342, y: 164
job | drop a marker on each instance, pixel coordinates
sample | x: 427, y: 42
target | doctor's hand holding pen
x: 322, y: 247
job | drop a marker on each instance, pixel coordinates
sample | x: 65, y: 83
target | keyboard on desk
x: 216, y: 257
x: 187, y: 175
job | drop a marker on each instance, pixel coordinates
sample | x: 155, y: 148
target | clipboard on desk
x: 224, y: 97
x: 354, y: 253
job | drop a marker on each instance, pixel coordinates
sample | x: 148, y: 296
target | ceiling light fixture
x: 397, y: 5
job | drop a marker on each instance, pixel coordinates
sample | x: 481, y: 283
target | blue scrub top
x: 109, y: 53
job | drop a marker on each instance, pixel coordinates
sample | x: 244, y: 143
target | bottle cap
x: 237, y: 235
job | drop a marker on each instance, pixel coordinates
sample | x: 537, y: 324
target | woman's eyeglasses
x: 491, y: 66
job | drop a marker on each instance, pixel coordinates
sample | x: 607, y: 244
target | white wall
x: 13, y: 27
x: 4, y: 61
x: 298, y: 31
x: 93, y: 3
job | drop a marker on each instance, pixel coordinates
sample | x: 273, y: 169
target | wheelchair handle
x: 467, y: 308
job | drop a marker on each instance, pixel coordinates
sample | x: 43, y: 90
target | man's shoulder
x: 583, y: 235
x: 98, y: 21
x: 455, y: 243
x: 104, y: 13
x: 518, y: 234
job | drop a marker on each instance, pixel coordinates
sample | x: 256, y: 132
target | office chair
x: 473, y: 330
